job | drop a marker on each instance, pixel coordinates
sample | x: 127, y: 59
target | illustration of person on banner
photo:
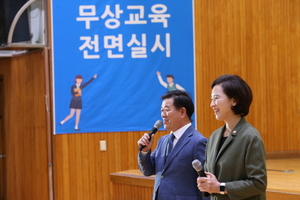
x: 170, y: 85
x: 76, y: 101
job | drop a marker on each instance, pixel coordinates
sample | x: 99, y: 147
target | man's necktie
x: 170, y: 144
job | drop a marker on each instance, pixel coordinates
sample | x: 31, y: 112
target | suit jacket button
x: 162, y: 177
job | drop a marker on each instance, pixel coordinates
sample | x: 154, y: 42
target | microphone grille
x: 197, y: 165
x: 158, y: 124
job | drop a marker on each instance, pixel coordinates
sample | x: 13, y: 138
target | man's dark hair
x: 181, y: 99
x: 170, y: 76
x: 235, y: 87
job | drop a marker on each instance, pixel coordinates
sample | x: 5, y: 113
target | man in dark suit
x: 175, y: 176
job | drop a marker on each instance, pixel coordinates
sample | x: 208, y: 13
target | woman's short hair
x: 235, y: 87
x: 78, y: 77
x: 181, y: 99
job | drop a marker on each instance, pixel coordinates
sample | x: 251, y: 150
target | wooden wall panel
x: 25, y: 125
x: 128, y: 192
x: 260, y: 41
x: 82, y: 171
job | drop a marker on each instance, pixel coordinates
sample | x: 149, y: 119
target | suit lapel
x: 230, y: 138
x: 226, y: 143
x: 183, y: 140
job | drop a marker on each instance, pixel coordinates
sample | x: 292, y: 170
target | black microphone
x: 156, y: 126
x: 198, y: 167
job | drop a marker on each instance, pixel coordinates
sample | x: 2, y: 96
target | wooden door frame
x: 2, y: 142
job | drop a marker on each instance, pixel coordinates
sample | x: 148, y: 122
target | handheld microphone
x: 156, y: 126
x: 198, y: 167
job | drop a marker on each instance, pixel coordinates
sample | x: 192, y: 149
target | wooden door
x: 2, y: 144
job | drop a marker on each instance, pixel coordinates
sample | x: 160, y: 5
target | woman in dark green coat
x: 235, y: 155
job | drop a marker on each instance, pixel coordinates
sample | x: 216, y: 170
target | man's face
x: 172, y: 118
x: 170, y: 79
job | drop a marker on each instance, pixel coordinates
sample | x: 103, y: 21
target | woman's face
x: 78, y: 80
x: 221, y: 104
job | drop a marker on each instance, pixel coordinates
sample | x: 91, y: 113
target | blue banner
x: 114, y: 59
